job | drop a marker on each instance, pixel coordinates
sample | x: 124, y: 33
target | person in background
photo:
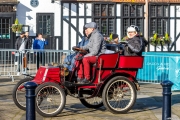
x: 29, y: 40
x: 70, y: 59
x: 39, y: 44
x: 21, y: 44
x: 135, y: 43
x: 115, y: 38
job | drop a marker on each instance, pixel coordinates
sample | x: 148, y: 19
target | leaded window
x: 132, y: 14
x: 159, y: 19
x: 45, y: 23
x: 104, y: 16
x: 4, y: 28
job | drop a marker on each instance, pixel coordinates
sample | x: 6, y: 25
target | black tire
x: 117, y: 91
x: 46, y: 94
x: 19, y: 92
x: 95, y: 102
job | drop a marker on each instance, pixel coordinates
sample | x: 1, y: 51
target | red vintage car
x: 113, y: 84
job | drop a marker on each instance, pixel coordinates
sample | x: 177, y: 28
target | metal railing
x: 16, y: 63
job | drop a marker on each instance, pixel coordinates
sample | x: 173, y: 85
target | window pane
x: 165, y: 23
x: 40, y: 25
x: 153, y: 11
x: 132, y: 22
x: 159, y: 11
x: 97, y: 22
x: 125, y: 25
x: 111, y: 10
x: 125, y: 10
x: 159, y: 27
x: 140, y: 25
x: 44, y: 18
x: 104, y: 26
x: 44, y: 25
x: 40, y: 18
x: 152, y: 26
x: 44, y: 31
x: 97, y: 10
x: 40, y: 30
x: 111, y: 26
x: 104, y: 10
x: 139, y: 11
x: 132, y: 10
x: 3, y: 31
x: 165, y: 11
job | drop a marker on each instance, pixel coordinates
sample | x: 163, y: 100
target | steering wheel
x: 80, y: 50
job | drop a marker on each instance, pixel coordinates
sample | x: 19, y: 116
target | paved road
x: 148, y: 106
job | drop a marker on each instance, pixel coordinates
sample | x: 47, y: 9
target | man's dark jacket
x: 19, y: 41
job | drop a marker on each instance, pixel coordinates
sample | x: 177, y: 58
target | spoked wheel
x: 119, y: 95
x: 50, y: 99
x: 94, y: 102
x: 19, y: 93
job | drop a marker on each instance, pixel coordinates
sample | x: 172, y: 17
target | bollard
x: 43, y: 58
x: 37, y: 60
x: 30, y: 100
x: 166, y: 109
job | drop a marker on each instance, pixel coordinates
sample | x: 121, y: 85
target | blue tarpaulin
x: 159, y: 66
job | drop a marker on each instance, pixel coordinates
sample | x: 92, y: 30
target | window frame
x: 129, y: 17
x: 156, y: 18
x: 51, y: 23
x: 5, y: 30
x: 107, y: 17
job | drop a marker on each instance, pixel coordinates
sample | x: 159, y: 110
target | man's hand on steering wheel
x: 75, y: 48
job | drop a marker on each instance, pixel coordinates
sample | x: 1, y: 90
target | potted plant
x: 16, y: 27
x: 125, y: 38
x: 157, y: 40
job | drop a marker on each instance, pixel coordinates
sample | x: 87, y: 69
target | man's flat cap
x: 91, y: 25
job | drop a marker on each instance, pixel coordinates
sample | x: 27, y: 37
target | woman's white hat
x: 131, y: 29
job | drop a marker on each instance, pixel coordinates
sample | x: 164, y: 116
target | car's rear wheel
x: 119, y: 95
x: 94, y: 102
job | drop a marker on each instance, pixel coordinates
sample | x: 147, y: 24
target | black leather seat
x: 113, y: 47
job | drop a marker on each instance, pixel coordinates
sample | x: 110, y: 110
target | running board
x: 70, y: 84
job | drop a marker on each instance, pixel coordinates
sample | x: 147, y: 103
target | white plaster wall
x: 26, y: 14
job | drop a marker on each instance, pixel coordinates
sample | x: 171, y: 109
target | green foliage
x: 16, y: 27
x: 124, y: 38
x: 110, y: 37
x: 16, y: 22
x: 160, y: 40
